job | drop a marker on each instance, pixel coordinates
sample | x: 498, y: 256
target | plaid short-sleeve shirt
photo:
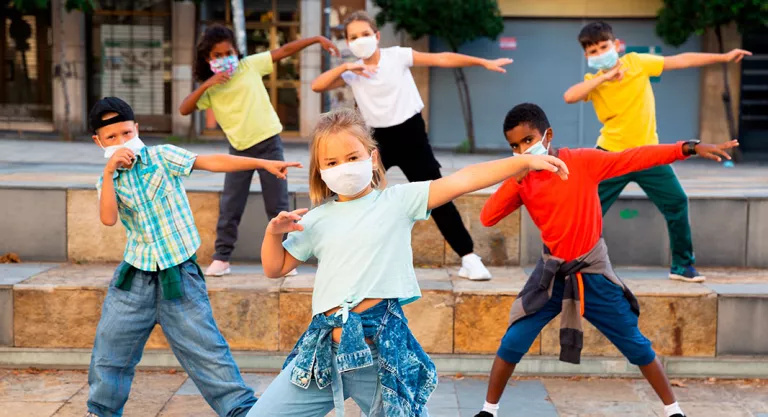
x: 154, y: 208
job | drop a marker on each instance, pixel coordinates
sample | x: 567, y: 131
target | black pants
x: 406, y: 145
x: 236, y: 189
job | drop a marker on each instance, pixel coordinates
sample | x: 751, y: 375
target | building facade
x: 143, y: 51
x: 540, y: 35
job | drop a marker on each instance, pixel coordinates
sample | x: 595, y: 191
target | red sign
x: 622, y: 46
x: 508, y: 43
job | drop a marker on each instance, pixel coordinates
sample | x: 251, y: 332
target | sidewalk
x: 167, y: 394
x: 30, y: 163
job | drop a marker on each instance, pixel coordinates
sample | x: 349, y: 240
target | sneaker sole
x: 686, y: 279
x: 219, y: 274
x: 463, y: 274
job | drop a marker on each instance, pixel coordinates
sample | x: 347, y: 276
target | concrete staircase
x: 62, y: 224
x: 49, y: 312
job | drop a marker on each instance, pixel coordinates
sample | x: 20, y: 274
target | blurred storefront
x: 25, y: 73
x: 143, y: 52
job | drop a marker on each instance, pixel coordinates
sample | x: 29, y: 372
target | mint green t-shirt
x: 242, y: 106
x: 363, y: 246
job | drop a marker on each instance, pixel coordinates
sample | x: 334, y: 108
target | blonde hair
x: 359, y: 16
x: 332, y: 123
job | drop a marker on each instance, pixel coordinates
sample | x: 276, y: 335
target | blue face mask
x: 538, y: 148
x: 605, y: 61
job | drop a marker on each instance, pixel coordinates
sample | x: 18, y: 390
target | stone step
x: 725, y: 367
x: 62, y: 224
x: 58, y: 306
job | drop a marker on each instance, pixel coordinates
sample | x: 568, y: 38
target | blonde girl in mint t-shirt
x: 232, y: 87
x: 360, y: 234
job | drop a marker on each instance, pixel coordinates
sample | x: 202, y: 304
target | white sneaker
x: 218, y: 269
x: 292, y: 273
x: 472, y: 267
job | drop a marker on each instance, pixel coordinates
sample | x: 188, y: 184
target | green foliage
x: 454, y: 21
x: 29, y: 5
x: 679, y: 19
x: 464, y: 147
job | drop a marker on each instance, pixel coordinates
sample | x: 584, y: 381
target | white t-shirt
x: 363, y: 246
x: 389, y: 97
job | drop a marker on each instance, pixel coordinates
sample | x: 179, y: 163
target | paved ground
x: 59, y: 164
x: 165, y: 394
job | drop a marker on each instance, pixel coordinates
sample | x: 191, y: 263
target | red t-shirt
x: 568, y: 213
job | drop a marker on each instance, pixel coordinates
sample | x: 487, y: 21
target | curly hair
x: 529, y: 114
x: 213, y: 34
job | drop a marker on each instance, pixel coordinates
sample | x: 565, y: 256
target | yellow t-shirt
x: 627, y: 108
x: 242, y: 106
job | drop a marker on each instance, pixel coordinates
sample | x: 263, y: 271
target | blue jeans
x: 127, y: 319
x: 284, y: 399
x: 604, y: 306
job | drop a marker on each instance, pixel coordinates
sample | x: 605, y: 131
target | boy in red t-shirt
x: 574, y: 276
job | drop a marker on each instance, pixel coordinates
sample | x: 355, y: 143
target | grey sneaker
x: 90, y: 414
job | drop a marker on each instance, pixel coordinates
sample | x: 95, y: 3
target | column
x: 73, y: 68
x: 311, y: 66
x: 183, y: 29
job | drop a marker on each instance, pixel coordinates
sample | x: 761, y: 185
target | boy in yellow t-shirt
x: 623, y: 98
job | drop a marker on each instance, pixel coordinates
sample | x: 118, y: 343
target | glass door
x: 129, y: 42
x: 25, y: 70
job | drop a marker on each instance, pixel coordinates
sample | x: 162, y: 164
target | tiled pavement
x: 34, y: 163
x: 167, y: 394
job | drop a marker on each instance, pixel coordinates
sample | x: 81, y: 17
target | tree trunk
x: 238, y: 20
x: 63, y: 72
x: 727, y: 95
x: 466, y: 107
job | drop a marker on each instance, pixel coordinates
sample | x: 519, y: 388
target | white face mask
x: 349, y: 179
x: 364, y: 47
x: 134, y: 145
x: 538, y: 149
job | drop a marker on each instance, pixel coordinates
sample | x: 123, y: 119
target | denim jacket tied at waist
x: 407, y: 374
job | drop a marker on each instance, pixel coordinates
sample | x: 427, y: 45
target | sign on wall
x: 508, y: 43
x: 132, y: 66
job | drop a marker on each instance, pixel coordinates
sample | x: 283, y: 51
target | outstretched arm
x: 604, y: 165
x: 478, y: 176
x: 454, y: 60
x: 296, y: 46
x: 696, y: 59
x: 231, y: 163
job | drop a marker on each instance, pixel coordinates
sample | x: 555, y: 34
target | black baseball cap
x: 110, y: 105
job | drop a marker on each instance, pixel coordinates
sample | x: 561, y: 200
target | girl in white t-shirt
x: 389, y: 101
x: 360, y: 234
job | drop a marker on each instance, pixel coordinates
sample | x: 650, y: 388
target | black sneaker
x: 686, y: 273
x: 677, y: 415
x: 483, y: 414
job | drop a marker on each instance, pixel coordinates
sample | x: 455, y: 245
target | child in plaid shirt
x: 159, y: 280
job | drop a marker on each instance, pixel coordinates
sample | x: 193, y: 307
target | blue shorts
x: 604, y: 306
